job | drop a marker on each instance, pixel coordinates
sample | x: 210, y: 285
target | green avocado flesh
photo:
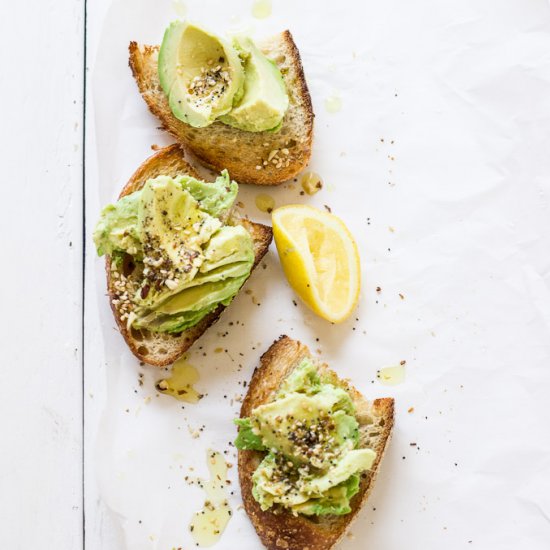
x: 265, y: 101
x: 311, y: 437
x: 201, y: 74
x: 189, y: 261
x: 207, y: 79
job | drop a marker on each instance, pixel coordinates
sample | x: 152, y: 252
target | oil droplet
x: 179, y: 7
x: 208, y: 524
x: 180, y: 383
x: 311, y: 182
x: 391, y: 376
x: 265, y: 203
x: 261, y: 9
x: 333, y: 104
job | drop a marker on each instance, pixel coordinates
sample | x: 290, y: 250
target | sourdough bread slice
x: 161, y: 349
x: 218, y: 146
x: 279, y: 529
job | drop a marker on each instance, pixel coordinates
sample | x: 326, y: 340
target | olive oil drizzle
x: 208, y: 524
x: 180, y: 382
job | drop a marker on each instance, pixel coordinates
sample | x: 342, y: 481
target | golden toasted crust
x: 157, y: 348
x: 219, y: 146
x: 282, y: 530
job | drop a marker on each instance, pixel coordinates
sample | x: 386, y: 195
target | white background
x: 463, y: 91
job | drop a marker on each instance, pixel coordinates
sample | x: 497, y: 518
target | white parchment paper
x: 439, y: 163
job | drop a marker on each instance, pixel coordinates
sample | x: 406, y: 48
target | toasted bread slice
x: 220, y: 146
x: 162, y: 349
x: 280, y: 529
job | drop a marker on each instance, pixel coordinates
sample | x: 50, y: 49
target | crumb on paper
x: 410, y: 410
x: 195, y: 433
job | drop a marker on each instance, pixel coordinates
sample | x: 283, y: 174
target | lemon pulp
x: 320, y: 259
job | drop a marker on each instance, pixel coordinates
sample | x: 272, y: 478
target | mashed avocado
x: 311, y: 437
x: 207, y: 79
x: 188, y: 260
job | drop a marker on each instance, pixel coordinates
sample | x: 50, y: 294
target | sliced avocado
x: 227, y: 259
x: 201, y: 74
x: 228, y: 271
x: 173, y: 323
x: 311, y: 436
x: 200, y: 297
x: 265, y: 99
x: 173, y: 230
x: 188, y: 306
x: 190, y: 261
x: 168, y: 54
x: 216, y: 197
x: 334, y: 501
x: 352, y: 462
x: 229, y: 245
x: 277, y: 422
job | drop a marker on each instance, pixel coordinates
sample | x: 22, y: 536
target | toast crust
x: 219, y: 146
x: 160, y: 349
x: 282, y: 530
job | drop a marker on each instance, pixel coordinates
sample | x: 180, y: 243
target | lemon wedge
x: 320, y: 259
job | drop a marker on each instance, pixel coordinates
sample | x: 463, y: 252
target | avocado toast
x: 163, y: 302
x: 267, y: 157
x: 298, y: 491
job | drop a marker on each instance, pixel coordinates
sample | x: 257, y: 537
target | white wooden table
x: 41, y: 411
x: 44, y: 396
